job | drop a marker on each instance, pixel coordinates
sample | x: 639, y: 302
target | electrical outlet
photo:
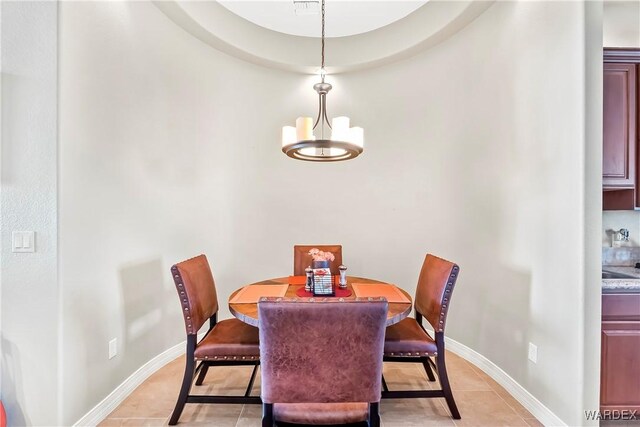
x: 113, y: 348
x: 533, y: 352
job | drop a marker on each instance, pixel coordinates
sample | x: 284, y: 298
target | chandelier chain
x: 322, y: 68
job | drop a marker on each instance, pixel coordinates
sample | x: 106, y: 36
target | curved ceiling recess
x: 301, y: 18
x: 222, y: 29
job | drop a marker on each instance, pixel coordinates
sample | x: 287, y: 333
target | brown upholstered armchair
x: 302, y: 259
x: 321, y: 362
x: 408, y: 341
x: 228, y: 342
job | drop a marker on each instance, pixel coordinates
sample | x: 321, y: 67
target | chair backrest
x: 321, y: 351
x: 197, y: 291
x: 302, y: 259
x: 435, y: 287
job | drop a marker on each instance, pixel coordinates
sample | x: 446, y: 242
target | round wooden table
x: 248, y: 313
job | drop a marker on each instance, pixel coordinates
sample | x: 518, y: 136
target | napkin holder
x: 322, y: 279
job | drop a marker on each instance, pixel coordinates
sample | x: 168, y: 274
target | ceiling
x: 343, y: 18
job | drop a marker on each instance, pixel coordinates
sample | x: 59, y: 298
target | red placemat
x: 340, y: 293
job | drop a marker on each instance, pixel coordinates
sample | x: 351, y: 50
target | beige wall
x: 621, y: 23
x: 474, y: 151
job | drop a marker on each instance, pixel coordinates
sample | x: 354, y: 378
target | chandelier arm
x: 323, y: 120
x: 324, y: 113
x: 319, y: 112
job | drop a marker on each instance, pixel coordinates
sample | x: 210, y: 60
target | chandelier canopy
x: 344, y: 142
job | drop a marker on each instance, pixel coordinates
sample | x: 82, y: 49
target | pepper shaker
x: 343, y: 277
x: 308, y: 286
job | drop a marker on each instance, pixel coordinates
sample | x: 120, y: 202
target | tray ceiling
x: 343, y: 18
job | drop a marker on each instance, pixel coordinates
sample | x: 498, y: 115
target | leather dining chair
x: 408, y: 341
x: 227, y: 342
x: 321, y: 362
x: 302, y: 259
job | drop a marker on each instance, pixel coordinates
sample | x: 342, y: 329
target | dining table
x: 246, y: 310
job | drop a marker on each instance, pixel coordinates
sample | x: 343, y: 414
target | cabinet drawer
x: 620, y: 307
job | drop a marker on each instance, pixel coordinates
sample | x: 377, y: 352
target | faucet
x: 624, y: 234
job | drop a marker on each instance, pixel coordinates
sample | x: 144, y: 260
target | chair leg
x: 186, y: 381
x: 203, y: 373
x: 427, y: 368
x: 385, y: 387
x: 247, y: 393
x: 374, y: 414
x: 446, y: 387
x: 267, y: 415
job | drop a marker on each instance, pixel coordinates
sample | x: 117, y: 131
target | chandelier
x: 344, y: 143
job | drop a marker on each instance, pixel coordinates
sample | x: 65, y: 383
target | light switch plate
x: 533, y: 352
x: 23, y: 241
x: 113, y: 348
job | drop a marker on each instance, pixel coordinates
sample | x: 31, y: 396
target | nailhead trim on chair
x: 448, y: 289
x: 228, y: 358
x: 185, y: 303
x: 414, y: 354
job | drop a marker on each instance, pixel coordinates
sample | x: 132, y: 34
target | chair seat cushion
x: 407, y: 338
x: 321, y: 413
x: 229, y: 339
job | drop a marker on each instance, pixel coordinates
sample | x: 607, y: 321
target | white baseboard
x: 526, y: 399
x: 117, y: 396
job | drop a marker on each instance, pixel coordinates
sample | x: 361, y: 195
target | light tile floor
x: 481, y: 401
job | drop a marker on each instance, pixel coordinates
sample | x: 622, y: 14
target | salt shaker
x: 308, y: 286
x: 343, y: 276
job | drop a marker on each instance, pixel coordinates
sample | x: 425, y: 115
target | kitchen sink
x: 610, y: 275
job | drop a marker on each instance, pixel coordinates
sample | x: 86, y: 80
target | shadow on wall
x: 12, y: 384
x: 147, y: 300
x: 505, y: 317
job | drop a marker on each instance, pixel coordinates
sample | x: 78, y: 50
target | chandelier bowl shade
x: 322, y: 150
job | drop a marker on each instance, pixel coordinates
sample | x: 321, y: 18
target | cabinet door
x: 620, y: 380
x: 619, y: 126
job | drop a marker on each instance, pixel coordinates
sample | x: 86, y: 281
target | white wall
x: 592, y: 292
x: 28, y: 201
x: 474, y: 151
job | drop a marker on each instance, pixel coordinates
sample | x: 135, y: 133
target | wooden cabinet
x: 620, y: 370
x: 620, y: 177
x: 619, y: 126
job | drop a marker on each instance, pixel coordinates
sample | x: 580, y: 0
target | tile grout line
x: 499, y: 395
x: 475, y: 368
x: 240, y: 416
x: 440, y: 400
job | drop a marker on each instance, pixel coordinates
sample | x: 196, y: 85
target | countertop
x: 631, y: 284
